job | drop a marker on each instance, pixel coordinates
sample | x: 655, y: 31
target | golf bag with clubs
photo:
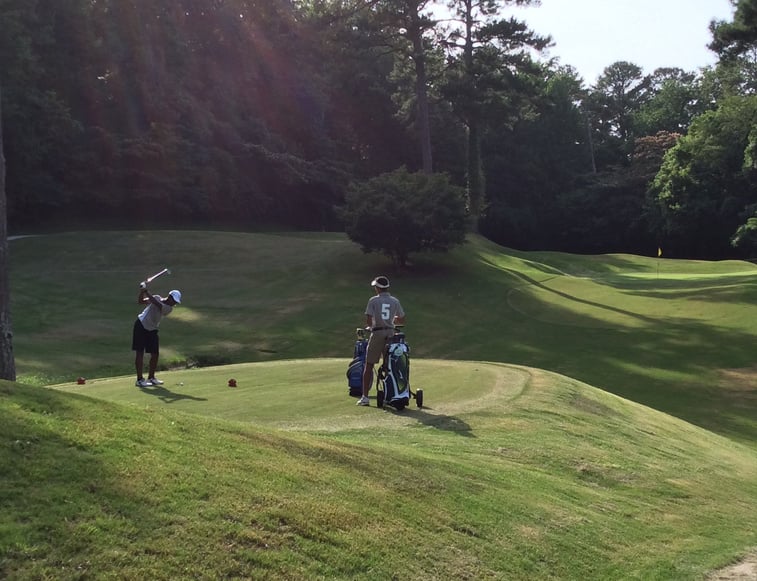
x: 393, y: 376
x: 356, y: 366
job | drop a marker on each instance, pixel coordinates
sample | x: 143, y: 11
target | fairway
x: 639, y: 301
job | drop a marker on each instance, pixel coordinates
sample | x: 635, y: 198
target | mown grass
x: 510, y: 472
x: 670, y: 334
x: 520, y: 474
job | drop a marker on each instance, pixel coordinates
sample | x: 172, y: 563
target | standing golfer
x: 382, y: 313
x: 145, y: 335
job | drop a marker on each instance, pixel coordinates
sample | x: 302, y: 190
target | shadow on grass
x: 42, y: 461
x: 169, y: 396
x: 438, y: 421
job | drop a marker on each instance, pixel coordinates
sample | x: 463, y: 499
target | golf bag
x: 356, y: 366
x: 394, y: 376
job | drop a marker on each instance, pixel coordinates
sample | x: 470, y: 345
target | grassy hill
x: 586, y: 417
x: 674, y: 335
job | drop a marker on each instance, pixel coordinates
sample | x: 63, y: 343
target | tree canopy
x: 241, y: 113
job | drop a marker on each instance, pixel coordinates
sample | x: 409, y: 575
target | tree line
x: 250, y: 113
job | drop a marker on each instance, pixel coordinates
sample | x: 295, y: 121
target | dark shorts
x: 143, y: 340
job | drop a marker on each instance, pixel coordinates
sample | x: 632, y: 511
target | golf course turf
x: 585, y: 417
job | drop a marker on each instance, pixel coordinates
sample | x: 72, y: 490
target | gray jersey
x: 152, y: 315
x: 382, y: 309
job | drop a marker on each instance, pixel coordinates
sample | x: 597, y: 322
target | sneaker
x: 154, y: 381
x: 143, y: 383
x: 363, y: 401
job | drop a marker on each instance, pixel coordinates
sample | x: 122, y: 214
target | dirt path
x: 745, y: 570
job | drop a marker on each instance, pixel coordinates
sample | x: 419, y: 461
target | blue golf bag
x: 356, y: 366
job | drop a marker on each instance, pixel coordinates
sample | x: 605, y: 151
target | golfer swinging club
x: 382, y: 313
x: 145, y: 335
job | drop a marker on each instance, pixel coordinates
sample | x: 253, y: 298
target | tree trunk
x: 474, y: 175
x: 591, y: 146
x: 415, y: 33
x: 474, y: 169
x: 7, y: 361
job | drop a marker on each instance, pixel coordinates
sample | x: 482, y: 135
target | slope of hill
x: 511, y: 472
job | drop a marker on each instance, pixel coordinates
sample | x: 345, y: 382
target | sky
x: 593, y: 34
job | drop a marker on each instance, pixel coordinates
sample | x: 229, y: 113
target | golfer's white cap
x: 380, y: 282
x: 176, y: 295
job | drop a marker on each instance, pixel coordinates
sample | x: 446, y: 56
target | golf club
x: 156, y: 275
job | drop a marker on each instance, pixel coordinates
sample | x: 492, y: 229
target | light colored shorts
x: 376, y: 344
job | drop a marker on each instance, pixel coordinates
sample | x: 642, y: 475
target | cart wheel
x: 380, y: 398
x: 419, y: 398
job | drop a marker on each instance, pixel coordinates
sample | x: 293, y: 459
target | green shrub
x: 399, y: 212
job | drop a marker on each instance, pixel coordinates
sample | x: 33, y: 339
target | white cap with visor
x: 380, y: 282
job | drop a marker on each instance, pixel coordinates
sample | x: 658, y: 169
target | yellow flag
x: 659, y: 252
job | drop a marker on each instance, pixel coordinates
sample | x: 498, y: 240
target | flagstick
x: 659, y: 254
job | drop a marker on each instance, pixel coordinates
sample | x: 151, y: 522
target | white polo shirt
x: 151, y: 316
